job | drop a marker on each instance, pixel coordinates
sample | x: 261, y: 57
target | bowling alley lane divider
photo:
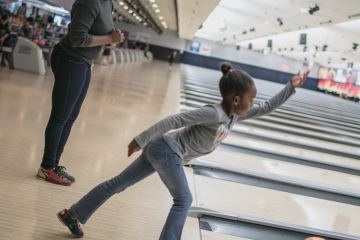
x: 211, y: 169
x: 258, y: 228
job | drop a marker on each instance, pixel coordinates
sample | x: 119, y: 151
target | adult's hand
x: 116, y: 36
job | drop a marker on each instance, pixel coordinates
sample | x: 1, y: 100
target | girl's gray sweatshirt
x: 200, y: 131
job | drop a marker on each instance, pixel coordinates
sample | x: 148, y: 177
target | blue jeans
x: 72, y: 77
x: 157, y: 156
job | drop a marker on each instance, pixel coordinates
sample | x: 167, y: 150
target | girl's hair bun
x: 225, y: 68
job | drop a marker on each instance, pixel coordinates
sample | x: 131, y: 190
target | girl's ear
x: 236, y: 100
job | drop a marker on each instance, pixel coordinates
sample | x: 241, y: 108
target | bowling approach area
x: 292, y: 174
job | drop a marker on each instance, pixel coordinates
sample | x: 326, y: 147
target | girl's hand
x: 133, y: 147
x: 299, y: 79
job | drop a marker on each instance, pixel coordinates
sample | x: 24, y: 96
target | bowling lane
x: 314, y: 127
x: 298, y: 139
x: 298, y: 123
x: 296, y: 131
x: 277, y: 206
x: 315, y: 120
x: 293, y: 151
x: 304, y: 97
x: 227, y: 156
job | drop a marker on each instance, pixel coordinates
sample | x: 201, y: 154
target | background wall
x: 263, y: 66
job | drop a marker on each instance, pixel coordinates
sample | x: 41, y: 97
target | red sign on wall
x: 340, y: 81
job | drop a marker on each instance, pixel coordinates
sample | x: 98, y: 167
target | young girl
x: 201, y: 132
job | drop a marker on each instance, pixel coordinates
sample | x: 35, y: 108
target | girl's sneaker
x: 53, y: 176
x: 71, y: 222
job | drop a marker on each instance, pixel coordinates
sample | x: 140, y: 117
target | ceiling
x: 165, y: 13
x: 192, y: 13
x: 336, y: 25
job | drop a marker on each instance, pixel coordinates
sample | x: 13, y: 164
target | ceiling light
x: 157, y: 10
x: 121, y: 3
x: 161, y: 18
x: 126, y: 7
x: 155, y: 5
x: 355, y: 45
x: 152, y: 1
x: 131, y: 11
x: 314, y: 9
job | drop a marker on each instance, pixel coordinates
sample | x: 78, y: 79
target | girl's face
x: 241, y: 105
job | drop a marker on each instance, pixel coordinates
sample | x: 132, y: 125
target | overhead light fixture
x: 355, y: 45
x: 326, y: 22
x: 131, y: 11
x: 126, y: 7
x: 121, y: 3
x: 161, y: 18
x: 155, y: 5
x: 354, y: 15
x: 314, y: 9
x: 157, y: 10
x: 151, y: 1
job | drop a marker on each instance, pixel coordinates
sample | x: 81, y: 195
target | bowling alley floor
x: 122, y: 101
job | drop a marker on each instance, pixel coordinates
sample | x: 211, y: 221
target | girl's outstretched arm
x: 277, y: 100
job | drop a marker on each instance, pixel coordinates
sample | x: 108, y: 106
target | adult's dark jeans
x: 72, y: 77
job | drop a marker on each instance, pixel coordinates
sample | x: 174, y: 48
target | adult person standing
x: 90, y: 29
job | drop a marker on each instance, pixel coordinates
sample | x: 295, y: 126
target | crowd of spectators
x: 41, y: 30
